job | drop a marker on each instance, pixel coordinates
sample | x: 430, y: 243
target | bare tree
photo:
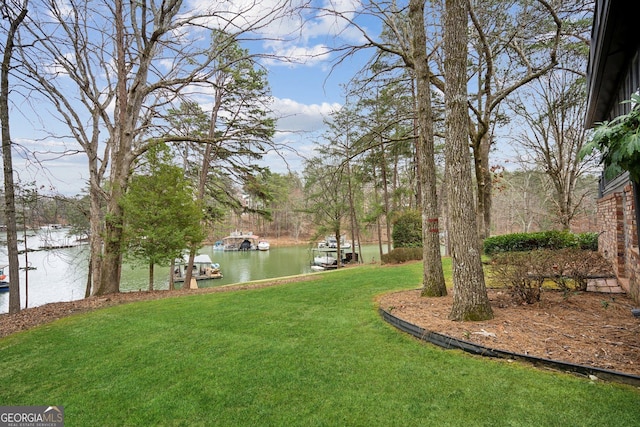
x: 470, y: 300
x: 554, y: 136
x: 63, y: 50
x: 15, y: 13
x: 117, y: 67
x: 515, y: 43
x: 519, y: 201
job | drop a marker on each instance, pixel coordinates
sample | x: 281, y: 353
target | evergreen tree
x: 162, y: 217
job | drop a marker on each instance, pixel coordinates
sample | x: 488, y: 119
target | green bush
x: 588, y: 241
x: 400, y: 255
x: 519, y: 242
x: 407, y: 230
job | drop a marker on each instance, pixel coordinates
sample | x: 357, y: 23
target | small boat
x: 203, y: 269
x: 4, y: 284
x: 218, y: 246
x: 263, y: 245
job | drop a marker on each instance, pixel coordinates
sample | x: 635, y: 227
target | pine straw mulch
x: 587, y: 328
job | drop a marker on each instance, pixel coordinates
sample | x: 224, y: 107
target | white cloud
x: 299, y: 126
x: 297, y: 33
x: 64, y: 8
x: 333, y: 20
x: 296, y: 117
x: 265, y: 16
x: 291, y: 55
x: 304, y: 37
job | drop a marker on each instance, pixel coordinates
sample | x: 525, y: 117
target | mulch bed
x: 587, y: 328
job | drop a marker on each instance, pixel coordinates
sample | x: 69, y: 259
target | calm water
x: 61, y: 274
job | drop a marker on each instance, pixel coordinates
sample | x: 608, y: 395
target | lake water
x: 61, y: 274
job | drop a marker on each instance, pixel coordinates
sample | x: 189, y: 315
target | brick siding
x: 618, y: 240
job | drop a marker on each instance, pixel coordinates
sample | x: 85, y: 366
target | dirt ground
x: 589, y: 328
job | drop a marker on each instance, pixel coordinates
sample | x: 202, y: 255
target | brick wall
x: 618, y: 240
x: 634, y: 275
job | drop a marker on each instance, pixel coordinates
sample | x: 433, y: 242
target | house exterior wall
x: 632, y: 266
x: 613, y: 74
x: 633, y: 287
x: 618, y: 240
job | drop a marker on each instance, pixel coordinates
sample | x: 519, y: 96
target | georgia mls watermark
x: 31, y: 416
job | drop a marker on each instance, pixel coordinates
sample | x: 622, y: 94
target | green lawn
x: 313, y: 353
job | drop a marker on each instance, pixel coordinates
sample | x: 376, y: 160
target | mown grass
x: 312, y: 353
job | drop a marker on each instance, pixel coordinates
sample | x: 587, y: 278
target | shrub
x: 400, y: 255
x: 518, y: 242
x: 522, y: 273
x: 588, y: 241
x: 407, y: 230
x: 572, y: 267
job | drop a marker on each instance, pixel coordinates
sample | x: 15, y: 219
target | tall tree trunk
x: 377, y: 203
x: 96, y: 232
x: 88, y: 286
x: 96, y: 214
x: 204, y: 174
x: 129, y: 102
x: 433, y: 277
x: 112, y: 255
x: 9, y: 190
x: 484, y: 185
x: 151, y: 276
x: 470, y: 300
x: 385, y: 195
x: 416, y: 161
x: 338, y: 248
x: 26, y: 260
x: 352, y: 210
x: 172, y: 283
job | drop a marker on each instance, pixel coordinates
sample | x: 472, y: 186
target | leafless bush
x: 524, y: 273
x: 572, y: 268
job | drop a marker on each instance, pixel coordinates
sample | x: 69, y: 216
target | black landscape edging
x: 448, y: 342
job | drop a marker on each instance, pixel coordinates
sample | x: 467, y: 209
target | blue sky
x: 305, y: 90
x: 310, y: 87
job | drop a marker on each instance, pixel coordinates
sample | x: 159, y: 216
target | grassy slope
x: 309, y: 353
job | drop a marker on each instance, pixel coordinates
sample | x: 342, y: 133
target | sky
x: 306, y: 89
